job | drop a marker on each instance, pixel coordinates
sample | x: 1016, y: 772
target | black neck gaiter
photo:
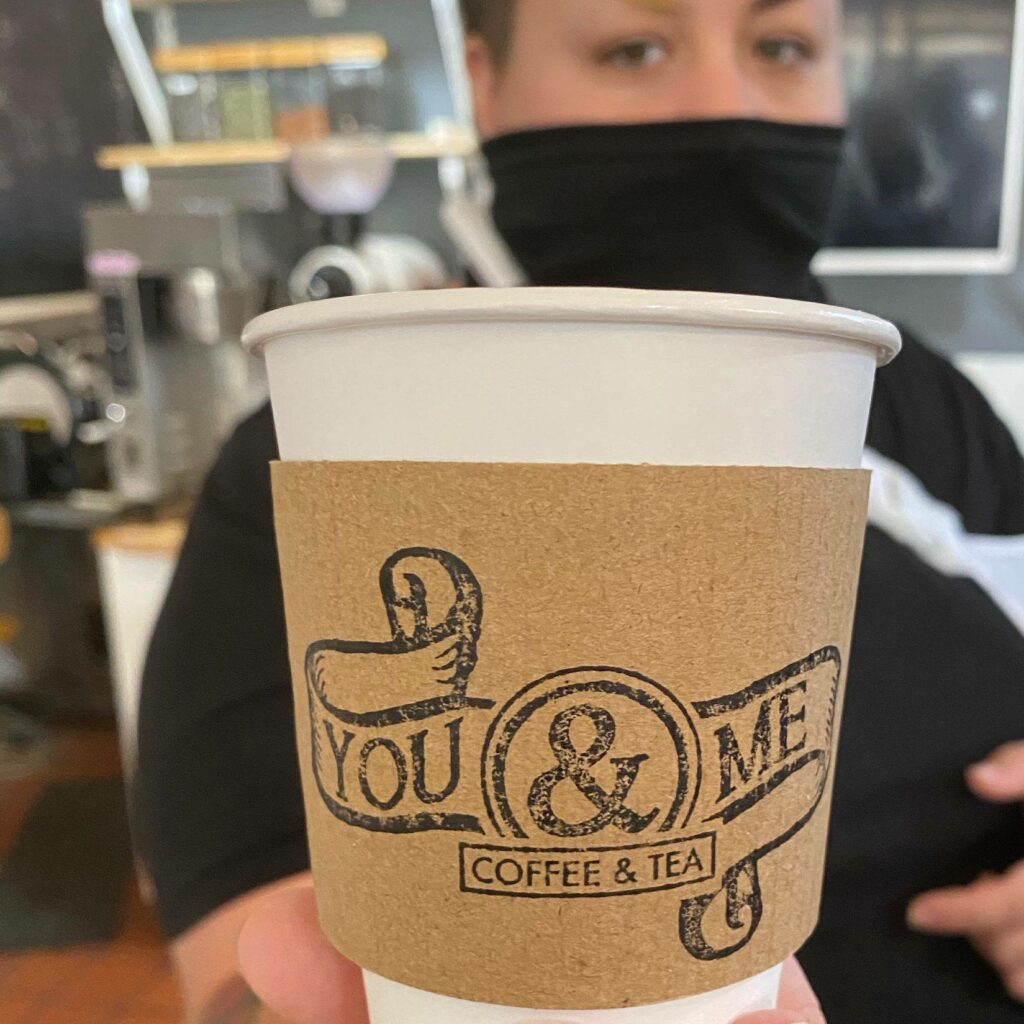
x: 728, y: 206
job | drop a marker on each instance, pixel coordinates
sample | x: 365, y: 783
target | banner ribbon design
x: 658, y: 792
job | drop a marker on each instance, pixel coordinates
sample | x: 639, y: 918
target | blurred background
x: 170, y: 170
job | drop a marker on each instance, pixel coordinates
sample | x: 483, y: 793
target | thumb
x: 291, y: 966
x: 797, y: 1002
x: 773, y: 1017
x: 1000, y: 777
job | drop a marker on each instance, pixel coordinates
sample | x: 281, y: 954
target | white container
x: 393, y: 1003
x: 572, y: 375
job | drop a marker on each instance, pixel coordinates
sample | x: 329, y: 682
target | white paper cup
x: 393, y: 1003
x: 572, y: 375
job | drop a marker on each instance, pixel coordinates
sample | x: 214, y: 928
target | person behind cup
x: 659, y: 143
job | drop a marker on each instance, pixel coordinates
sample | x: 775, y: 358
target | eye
x: 635, y: 53
x: 785, y: 51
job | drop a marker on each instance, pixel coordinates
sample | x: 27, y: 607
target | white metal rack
x: 453, y: 140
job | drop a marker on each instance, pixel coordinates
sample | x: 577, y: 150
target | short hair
x: 492, y: 20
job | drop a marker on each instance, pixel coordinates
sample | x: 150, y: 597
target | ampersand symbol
x: 623, y: 874
x: 574, y: 765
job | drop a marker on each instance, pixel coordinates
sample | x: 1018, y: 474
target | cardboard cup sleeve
x: 567, y: 731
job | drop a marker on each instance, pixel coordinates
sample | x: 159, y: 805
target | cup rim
x: 581, y: 305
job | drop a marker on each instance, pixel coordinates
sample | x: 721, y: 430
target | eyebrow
x: 767, y: 5
x: 657, y: 6
x: 673, y: 6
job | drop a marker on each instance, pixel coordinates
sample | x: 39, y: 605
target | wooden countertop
x: 160, y: 538
x: 30, y: 310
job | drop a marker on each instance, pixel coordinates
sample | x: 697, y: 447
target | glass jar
x: 190, y: 85
x: 243, y: 87
x: 355, y: 82
x: 298, y: 90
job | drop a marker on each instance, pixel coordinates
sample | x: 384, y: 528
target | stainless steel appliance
x: 53, y: 494
x: 176, y: 285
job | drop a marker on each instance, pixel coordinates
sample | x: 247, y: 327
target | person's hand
x: 989, y: 911
x: 299, y: 975
x: 797, y: 1002
x: 295, y: 971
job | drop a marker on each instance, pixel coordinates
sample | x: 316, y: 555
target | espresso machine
x: 177, y: 282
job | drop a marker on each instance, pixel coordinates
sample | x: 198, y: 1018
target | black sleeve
x: 932, y: 419
x: 219, y: 805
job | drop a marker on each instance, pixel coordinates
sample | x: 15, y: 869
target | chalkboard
x: 62, y: 96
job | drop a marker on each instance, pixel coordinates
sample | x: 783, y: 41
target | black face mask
x: 733, y: 206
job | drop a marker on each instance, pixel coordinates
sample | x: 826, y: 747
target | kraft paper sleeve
x: 567, y: 731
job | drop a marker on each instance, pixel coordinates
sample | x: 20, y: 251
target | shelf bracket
x: 138, y: 69
x: 451, y: 36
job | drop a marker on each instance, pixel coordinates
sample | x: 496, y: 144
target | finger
x: 775, y: 1017
x: 1003, y: 949
x: 291, y: 966
x: 1014, y: 983
x: 452, y: 648
x: 1000, y: 777
x: 797, y: 1002
x: 796, y: 994
x: 989, y: 904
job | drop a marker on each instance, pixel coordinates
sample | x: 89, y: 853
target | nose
x: 716, y: 85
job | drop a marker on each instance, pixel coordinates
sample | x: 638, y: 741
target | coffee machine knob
x: 331, y: 283
x: 332, y: 271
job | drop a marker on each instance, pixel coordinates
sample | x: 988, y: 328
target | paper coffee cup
x: 569, y: 580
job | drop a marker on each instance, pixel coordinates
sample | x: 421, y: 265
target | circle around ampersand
x: 647, y: 693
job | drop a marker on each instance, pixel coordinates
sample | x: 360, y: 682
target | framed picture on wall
x: 935, y: 172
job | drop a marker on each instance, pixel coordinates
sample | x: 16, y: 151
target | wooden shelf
x: 405, y: 145
x: 430, y: 146
x: 148, y: 5
x: 193, y: 154
x: 163, y: 537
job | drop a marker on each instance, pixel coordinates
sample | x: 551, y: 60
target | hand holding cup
x: 297, y: 973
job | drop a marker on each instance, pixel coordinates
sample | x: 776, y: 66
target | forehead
x: 550, y: 22
x: 677, y: 6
